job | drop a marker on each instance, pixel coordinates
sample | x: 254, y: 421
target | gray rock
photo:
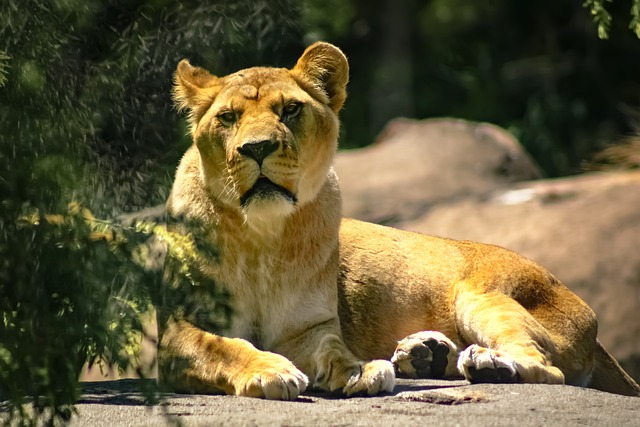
x: 414, y: 402
x: 414, y: 165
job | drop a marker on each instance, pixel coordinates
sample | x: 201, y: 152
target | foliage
x: 86, y: 120
x: 97, y: 322
x: 600, y: 16
x: 3, y: 68
x: 71, y: 293
x: 634, y: 25
x: 603, y: 18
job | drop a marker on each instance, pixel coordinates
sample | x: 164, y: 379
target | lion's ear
x: 326, y: 68
x: 194, y: 88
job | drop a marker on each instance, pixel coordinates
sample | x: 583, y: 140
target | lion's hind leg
x: 426, y: 354
x: 508, y: 343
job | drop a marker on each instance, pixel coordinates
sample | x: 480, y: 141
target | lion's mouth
x: 265, y: 188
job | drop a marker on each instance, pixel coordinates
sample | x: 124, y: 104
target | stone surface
x: 414, y: 402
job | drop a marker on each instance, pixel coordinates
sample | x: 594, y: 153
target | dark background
x: 89, y: 81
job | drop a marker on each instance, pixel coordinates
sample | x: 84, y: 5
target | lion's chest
x: 269, y: 296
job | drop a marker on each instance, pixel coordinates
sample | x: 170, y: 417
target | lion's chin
x: 266, y: 190
x: 266, y: 202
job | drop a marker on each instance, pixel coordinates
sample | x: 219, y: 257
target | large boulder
x: 448, y: 178
x: 414, y: 165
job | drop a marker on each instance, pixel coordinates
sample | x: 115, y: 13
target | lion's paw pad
x: 423, y: 355
x: 484, y: 365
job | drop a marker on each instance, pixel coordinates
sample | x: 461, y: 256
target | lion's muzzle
x: 258, y: 150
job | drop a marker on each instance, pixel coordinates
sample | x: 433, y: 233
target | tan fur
x: 316, y: 297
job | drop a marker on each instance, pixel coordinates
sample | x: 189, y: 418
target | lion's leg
x: 426, y: 354
x: 195, y: 361
x: 508, y: 343
x: 321, y: 352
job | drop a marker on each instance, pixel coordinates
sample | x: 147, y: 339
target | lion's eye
x: 291, y: 110
x: 227, y: 118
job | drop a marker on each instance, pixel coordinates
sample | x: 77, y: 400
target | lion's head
x: 266, y: 136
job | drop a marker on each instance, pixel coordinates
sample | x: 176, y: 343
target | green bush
x: 71, y: 292
x: 87, y: 128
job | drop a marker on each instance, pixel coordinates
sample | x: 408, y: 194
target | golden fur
x: 329, y: 300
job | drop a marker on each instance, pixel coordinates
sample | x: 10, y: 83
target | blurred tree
x: 535, y: 68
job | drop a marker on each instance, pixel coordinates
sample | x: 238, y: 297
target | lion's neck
x: 265, y: 227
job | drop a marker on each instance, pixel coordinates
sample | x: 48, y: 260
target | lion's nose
x: 258, y: 150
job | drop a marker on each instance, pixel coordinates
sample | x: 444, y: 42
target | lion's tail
x: 609, y: 376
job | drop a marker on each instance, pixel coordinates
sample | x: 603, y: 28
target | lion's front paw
x: 367, y: 379
x: 425, y: 354
x: 271, y: 376
x: 338, y: 369
x: 374, y: 378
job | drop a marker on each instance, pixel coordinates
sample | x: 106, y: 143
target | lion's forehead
x: 248, y: 91
x: 257, y: 76
x: 258, y: 84
x: 271, y: 91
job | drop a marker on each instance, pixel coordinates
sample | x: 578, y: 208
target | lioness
x: 344, y: 303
